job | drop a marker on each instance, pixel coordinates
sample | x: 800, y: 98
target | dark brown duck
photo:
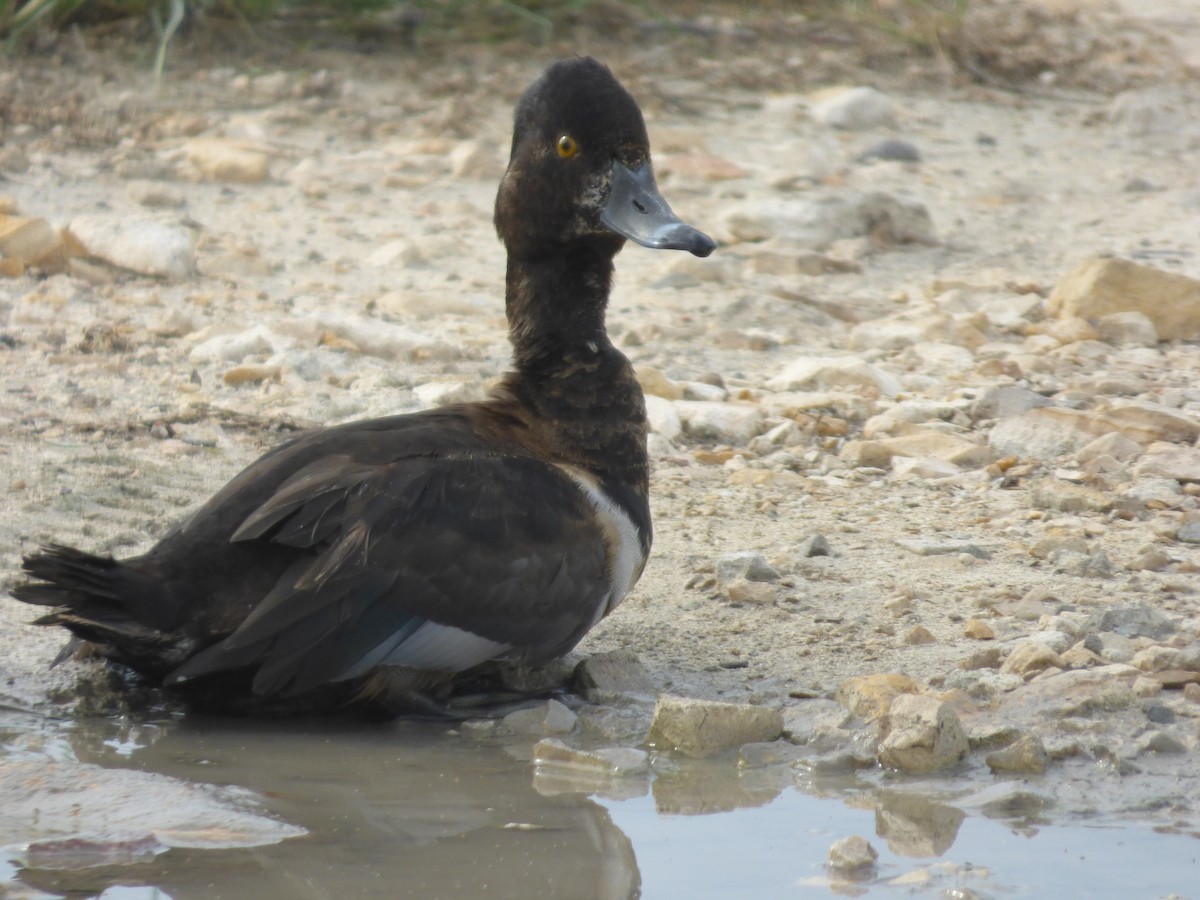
x: 383, y: 562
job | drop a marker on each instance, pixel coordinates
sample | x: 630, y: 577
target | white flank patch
x: 443, y: 648
x: 625, y: 556
x: 440, y: 648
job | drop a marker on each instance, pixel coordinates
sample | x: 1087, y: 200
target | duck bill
x: 636, y: 210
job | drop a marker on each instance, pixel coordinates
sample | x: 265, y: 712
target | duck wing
x: 433, y: 562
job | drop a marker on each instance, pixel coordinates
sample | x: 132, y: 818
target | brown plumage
x: 387, y: 560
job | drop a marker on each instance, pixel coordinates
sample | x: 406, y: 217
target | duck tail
x: 97, y: 598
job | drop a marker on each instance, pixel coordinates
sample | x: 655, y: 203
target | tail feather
x: 98, y: 599
x: 70, y: 576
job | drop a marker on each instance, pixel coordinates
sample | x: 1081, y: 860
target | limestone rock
x: 852, y: 853
x: 802, y: 723
x: 1029, y: 657
x: 1145, y: 422
x: 1114, y: 444
x: 822, y: 373
x: 853, y: 108
x: 939, y: 445
x: 1003, y: 400
x: 922, y: 734
x: 550, y: 717
x: 1024, y: 756
x: 663, y: 418
x: 978, y: 630
x: 30, y: 242
x: 222, y: 159
x: 700, y: 728
x: 613, y: 672
x: 1047, y: 432
x: 1100, y: 287
x: 654, y: 381
x: 1166, y: 460
x: 139, y: 245
x: 731, y: 423
x: 871, y: 696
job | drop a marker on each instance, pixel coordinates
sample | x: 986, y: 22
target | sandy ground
x: 361, y: 276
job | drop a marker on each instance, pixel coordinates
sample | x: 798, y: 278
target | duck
x: 382, y: 563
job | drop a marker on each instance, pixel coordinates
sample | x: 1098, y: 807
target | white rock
x: 854, y: 109
x: 700, y: 390
x: 663, y: 417
x: 1047, y: 432
x: 1113, y: 444
x: 372, y: 336
x: 139, y: 245
x: 825, y: 372
x: 731, y: 423
x: 922, y: 734
x: 1165, y: 460
x: 442, y: 393
x: 399, y: 252
x: 1012, y: 312
x: 550, y: 717
x: 235, y: 347
x: 908, y: 466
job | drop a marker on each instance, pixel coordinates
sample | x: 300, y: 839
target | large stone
x: 1030, y: 657
x: 852, y: 853
x: 922, y: 734
x: 871, y: 696
x: 702, y: 728
x: 222, y: 159
x: 30, y: 242
x: 1100, y: 287
x: 825, y: 372
x: 139, y: 245
x: 1003, y: 400
x: 939, y: 445
x: 1048, y: 432
x: 853, y: 108
x: 730, y: 423
x: 613, y: 672
x: 1132, y: 620
x: 663, y: 417
x: 1163, y: 460
x: 1024, y: 756
x: 550, y: 717
x: 1146, y: 422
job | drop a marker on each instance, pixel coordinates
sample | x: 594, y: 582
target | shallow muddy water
x: 417, y: 809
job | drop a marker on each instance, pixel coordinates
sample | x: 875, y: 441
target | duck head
x: 580, y: 171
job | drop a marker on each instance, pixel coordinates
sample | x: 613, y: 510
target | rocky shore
x: 926, y: 428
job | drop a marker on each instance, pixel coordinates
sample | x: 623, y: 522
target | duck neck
x: 582, y: 392
x: 555, y: 308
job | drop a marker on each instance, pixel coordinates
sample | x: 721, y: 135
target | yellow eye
x: 567, y: 146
